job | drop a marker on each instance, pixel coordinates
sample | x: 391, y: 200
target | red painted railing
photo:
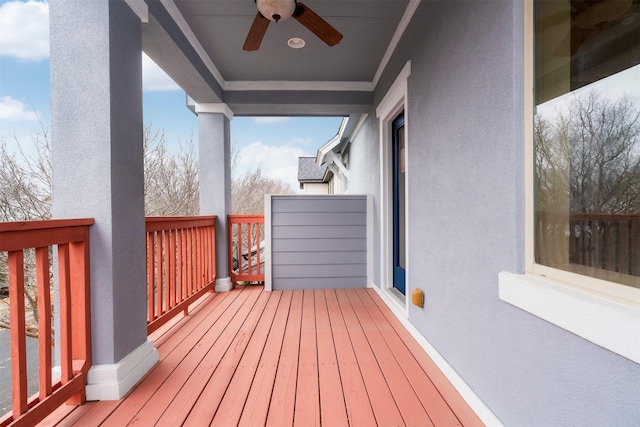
x: 603, y: 241
x: 181, y: 265
x: 71, y: 238
x: 246, y: 260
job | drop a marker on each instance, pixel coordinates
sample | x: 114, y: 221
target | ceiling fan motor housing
x: 276, y: 10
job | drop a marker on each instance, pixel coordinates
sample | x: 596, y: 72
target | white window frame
x: 393, y: 103
x: 605, y: 313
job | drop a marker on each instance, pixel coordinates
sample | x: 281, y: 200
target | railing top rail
x: 44, y: 224
x: 179, y: 218
x: 590, y: 216
x: 35, y: 234
x: 246, y: 217
x: 157, y: 223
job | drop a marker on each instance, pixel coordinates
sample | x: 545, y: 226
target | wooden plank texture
x: 332, y: 357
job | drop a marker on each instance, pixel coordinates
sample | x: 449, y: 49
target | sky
x: 271, y: 143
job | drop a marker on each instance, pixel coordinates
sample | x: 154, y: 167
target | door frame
x: 392, y: 104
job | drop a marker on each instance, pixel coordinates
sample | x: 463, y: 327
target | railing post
x: 80, y: 311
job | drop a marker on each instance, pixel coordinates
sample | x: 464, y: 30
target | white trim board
x: 612, y: 324
x: 268, y: 276
x: 238, y: 85
x: 112, y: 382
x: 394, y: 102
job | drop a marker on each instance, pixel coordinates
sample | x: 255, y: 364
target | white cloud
x: 12, y: 110
x: 154, y: 79
x: 270, y: 120
x: 302, y: 141
x: 276, y: 162
x: 24, y: 30
x: 24, y: 34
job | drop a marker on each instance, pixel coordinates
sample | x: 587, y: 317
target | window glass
x: 587, y: 137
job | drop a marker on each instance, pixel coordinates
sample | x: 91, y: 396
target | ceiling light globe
x: 276, y: 10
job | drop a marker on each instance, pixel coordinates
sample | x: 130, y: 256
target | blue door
x: 399, y: 205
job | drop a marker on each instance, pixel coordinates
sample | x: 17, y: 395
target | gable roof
x: 309, y: 171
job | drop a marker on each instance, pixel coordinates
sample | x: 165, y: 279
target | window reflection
x: 587, y: 137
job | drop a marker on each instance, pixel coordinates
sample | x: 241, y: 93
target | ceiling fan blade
x: 317, y: 25
x: 256, y: 33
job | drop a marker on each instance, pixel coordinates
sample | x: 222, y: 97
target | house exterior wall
x: 364, y: 160
x: 466, y: 222
x: 318, y: 242
x: 315, y: 188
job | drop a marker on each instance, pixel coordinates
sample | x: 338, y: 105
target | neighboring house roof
x: 309, y: 171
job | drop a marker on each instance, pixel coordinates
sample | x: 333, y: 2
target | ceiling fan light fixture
x: 276, y: 10
x: 296, y: 43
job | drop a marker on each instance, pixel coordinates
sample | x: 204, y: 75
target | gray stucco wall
x: 364, y: 155
x: 214, y: 166
x: 466, y: 216
x: 96, y: 108
x: 318, y: 242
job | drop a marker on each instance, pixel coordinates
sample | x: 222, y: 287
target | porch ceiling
x: 199, y: 44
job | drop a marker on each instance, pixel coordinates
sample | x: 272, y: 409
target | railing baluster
x: 150, y: 280
x: 158, y: 273
x: 172, y: 267
x: 18, y: 338
x: 65, y: 312
x: 165, y: 259
x: 44, y: 321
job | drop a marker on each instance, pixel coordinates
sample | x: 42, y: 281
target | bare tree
x: 25, y: 194
x: 248, y: 189
x: 588, y: 187
x: 589, y: 159
x: 171, y: 181
x: 171, y: 188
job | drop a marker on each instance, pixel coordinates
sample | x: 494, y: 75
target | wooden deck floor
x: 253, y: 358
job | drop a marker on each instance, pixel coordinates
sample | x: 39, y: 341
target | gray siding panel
x: 287, y: 284
x: 318, y: 242
x: 318, y: 204
x: 317, y: 245
x: 327, y: 271
x: 319, y: 218
x: 307, y: 232
x: 311, y: 258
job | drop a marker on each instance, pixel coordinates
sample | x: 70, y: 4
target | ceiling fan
x: 279, y: 10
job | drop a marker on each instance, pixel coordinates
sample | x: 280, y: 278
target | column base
x: 224, y: 284
x: 112, y: 382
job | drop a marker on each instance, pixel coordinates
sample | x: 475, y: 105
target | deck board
x: 382, y: 400
x: 283, y: 398
x: 436, y: 407
x: 359, y: 409
x: 307, y: 408
x: 248, y: 357
x: 256, y: 406
x: 233, y: 402
x: 332, y: 406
